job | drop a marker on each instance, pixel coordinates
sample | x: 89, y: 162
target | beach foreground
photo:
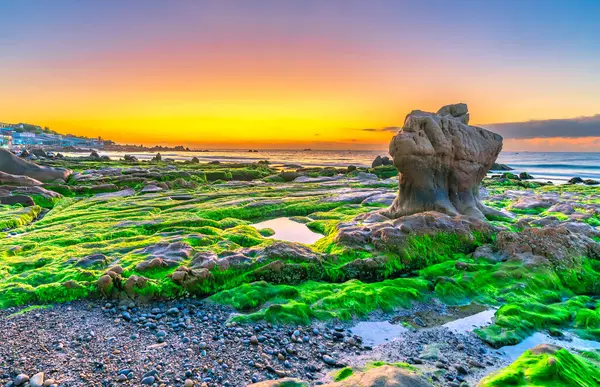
x: 182, y: 273
x: 166, y: 232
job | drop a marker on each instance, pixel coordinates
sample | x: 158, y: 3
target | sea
x: 557, y: 167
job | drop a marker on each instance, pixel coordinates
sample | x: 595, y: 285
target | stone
x: 441, y: 161
x: 525, y: 176
x: 94, y: 260
x: 8, y: 179
x: 37, y: 380
x: 14, y: 165
x: 11, y: 200
x: 21, y: 378
x: 379, y: 161
x: 556, y: 246
x: 575, y: 180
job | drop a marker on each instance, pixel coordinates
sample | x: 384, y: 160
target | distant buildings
x: 25, y: 135
x: 5, y: 138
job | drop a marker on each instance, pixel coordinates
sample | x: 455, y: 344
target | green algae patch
x: 342, y: 374
x: 546, y: 366
x: 12, y: 217
x: 320, y: 300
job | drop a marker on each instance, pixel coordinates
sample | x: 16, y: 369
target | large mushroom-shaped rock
x: 14, y: 165
x: 441, y: 161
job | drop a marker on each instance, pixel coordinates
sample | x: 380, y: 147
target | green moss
x: 549, y: 369
x: 320, y: 300
x: 342, y: 374
x: 266, y: 232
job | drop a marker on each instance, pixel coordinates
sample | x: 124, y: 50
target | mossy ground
x: 557, y: 369
x: 37, y: 262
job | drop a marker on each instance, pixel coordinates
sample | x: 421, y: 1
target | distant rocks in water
x: 195, y: 160
x: 525, y: 176
x: 11, y: 164
x: 442, y: 160
x: 575, y: 180
x: 157, y: 158
x: 379, y: 161
x: 500, y: 167
x: 579, y: 180
x: 94, y: 155
x: 130, y: 158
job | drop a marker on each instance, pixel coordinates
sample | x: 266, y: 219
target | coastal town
x: 16, y: 136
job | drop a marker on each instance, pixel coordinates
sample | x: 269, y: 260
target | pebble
x: 37, y: 380
x: 329, y: 360
x: 148, y: 380
x: 21, y: 379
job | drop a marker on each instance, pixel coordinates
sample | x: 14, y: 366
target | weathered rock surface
x: 14, y: 165
x: 442, y: 160
x: 383, y: 376
x: 559, y: 246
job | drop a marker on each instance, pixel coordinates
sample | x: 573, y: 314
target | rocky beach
x: 434, y: 267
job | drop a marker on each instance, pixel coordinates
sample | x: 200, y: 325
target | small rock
x: 21, y: 379
x: 329, y: 360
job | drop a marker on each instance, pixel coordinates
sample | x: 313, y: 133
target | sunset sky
x: 296, y: 74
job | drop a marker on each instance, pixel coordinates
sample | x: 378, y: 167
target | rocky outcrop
x: 383, y: 376
x: 560, y: 247
x: 14, y: 165
x: 442, y: 160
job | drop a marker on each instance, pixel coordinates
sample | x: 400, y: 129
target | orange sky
x: 240, y: 84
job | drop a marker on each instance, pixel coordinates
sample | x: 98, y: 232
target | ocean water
x: 554, y: 166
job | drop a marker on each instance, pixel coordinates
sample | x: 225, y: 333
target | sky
x: 296, y: 74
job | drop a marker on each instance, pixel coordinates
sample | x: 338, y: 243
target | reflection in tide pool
x: 573, y: 343
x: 469, y: 323
x: 288, y: 230
x: 377, y: 332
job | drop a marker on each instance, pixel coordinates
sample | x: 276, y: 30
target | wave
x: 555, y: 166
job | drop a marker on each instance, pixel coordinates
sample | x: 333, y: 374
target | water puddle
x: 377, y: 332
x: 470, y: 323
x: 288, y: 230
x: 571, y: 342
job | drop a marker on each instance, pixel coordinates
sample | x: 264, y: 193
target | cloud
x: 393, y: 129
x: 569, y: 127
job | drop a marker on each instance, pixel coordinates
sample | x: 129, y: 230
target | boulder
x: 441, y: 161
x: 8, y: 179
x: 379, y: 161
x: 11, y: 200
x: 575, y: 180
x: 525, y: 176
x: 555, y: 246
x: 14, y: 165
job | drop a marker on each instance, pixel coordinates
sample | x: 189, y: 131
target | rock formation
x: 441, y: 161
x: 14, y: 165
